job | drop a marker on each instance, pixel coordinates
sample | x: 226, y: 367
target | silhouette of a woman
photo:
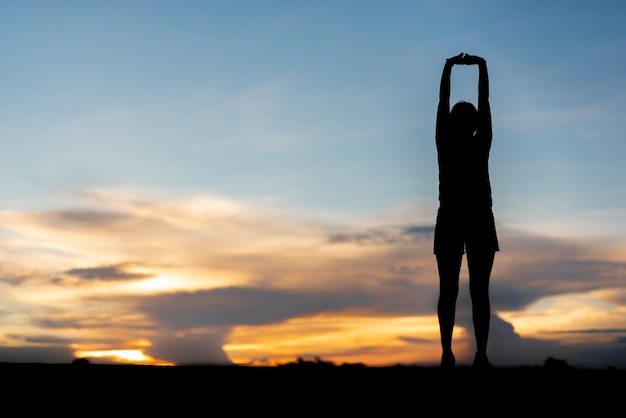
x: 465, y: 221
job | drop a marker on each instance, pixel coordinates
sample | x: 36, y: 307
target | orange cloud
x: 231, y: 279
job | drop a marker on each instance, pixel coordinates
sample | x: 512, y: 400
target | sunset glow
x: 565, y: 319
x: 256, y: 182
x: 373, y: 341
x: 122, y: 356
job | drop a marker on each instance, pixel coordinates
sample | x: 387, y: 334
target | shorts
x: 457, y: 231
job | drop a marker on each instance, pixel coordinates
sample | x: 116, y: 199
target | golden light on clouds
x: 216, y: 280
x: 562, y: 318
x: 344, y: 339
x: 123, y: 356
x: 170, y: 284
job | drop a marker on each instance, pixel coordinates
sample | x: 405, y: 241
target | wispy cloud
x: 230, y: 306
x: 201, y: 278
x: 107, y: 273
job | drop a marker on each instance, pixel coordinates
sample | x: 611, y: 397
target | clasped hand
x: 466, y: 59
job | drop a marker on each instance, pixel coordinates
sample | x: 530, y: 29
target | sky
x: 252, y: 182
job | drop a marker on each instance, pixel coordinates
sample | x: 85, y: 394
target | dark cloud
x: 577, y: 275
x: 506, y: 348
x: 13, y: 280
x: 362, y: 238
x: 402, y: 297
x: 506, y: 296
x: 241, y: 306
x: 384, y: 236
x: 414, y: 340
x: 18, y: 277
x: 71, y: 323
x: 421, y: 231
x: 523, y: 285
x: 116, y: 272
x: 109, y: 322
x: 190, y: 348
x: 81, y: 218
x: 41, y: 339
x: 36, y: 354
x: 591, y: 331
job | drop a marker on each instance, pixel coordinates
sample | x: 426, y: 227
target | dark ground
x: 305, y: 389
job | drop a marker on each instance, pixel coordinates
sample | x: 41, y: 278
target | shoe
x: 447, y: 361
x: 481, y: 361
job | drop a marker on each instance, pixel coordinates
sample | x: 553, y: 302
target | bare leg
x: 449, y: 266
x: 479, y: 265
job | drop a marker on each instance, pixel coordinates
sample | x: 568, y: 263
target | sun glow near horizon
x: 374, y: 341
x: 340, y: 291
x: 124, y: 356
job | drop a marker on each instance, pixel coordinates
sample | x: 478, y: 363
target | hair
x: 464, y: 117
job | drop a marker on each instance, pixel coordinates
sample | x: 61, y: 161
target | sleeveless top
x: 464, y: 172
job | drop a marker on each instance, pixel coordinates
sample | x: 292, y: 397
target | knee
x: 449, y: 288
x: 479, y: 292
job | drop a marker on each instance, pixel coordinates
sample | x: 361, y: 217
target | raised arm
x: 484, y: 110
x: 443, y: 110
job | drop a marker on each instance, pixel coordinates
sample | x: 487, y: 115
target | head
x: 464, y: 118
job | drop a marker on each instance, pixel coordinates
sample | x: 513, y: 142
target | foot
x: 481, y: 361
x: 447, y: 361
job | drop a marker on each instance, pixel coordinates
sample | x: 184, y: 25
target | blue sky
x: 253, y: 99
x: 294, y: 121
